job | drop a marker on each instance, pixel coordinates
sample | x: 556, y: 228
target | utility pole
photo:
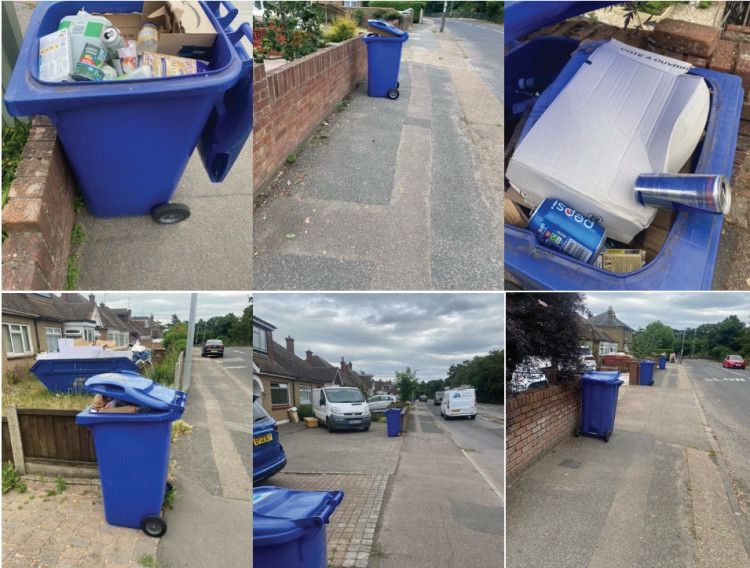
x: 189, y: 343
x: 693, y: 352
x: 442, y: 22
x: 682, y: 349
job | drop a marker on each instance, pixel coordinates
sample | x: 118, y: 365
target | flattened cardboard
x: 625, y: 112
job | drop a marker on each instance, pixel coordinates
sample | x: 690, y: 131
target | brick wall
x: 291, y: 101
x: 537, y: 421
x: 39, y: 215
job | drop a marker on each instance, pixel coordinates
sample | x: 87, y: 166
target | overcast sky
x: 678, y: 310
x: 163, y: 304
x: 387, y: 332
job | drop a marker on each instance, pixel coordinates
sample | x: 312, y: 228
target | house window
x: 17, y: 339
x: 305, y: 394
x: 120, y: 338
x: 259, y: 340
x: 279, y: 394
x: 89, y: 334
x: 52, y: 335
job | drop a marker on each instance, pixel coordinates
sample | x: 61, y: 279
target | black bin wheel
x: 154, y: 526
x: 606, y: 436
x: 577, y: 431
x: 170, y: 213
x: 393, y: 94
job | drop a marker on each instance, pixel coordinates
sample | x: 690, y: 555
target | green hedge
x: 304, y: 411
x: 400, y: 6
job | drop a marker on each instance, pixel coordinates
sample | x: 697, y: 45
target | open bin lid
x: 136, y: 389
x: 282, y: 515
x: 522, y: 18
x: 611, y: 377
x: 386, y: 27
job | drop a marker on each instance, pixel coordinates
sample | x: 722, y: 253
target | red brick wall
x: 39, y: 215
x: 537, y: 421
x: 291, y: 101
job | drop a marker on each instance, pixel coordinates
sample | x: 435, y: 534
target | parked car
x: 213, y: 347
x: 587, y: 358
x: 341, y: 408
x: 439, y: 397
x: 380, y: 402
x: 268, y: 454
x: 734, y: 361
x: 527, y: 377
x: 422, y: 398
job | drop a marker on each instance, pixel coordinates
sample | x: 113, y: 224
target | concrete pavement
x: 652, y: 496
x: 397, y: 195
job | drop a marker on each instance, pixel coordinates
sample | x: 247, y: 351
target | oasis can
x: 562, y: 228
x: 688, y: 192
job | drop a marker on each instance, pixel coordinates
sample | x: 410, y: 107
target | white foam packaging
x: 625, y: 112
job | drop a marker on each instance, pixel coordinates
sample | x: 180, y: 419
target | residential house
x: 599, y: 342
x: 149, y: 326
x: 33, y: 323
x: 614, y: 328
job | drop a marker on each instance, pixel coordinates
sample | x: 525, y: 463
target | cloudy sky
x: 163, y: 304
x: 678, y: 310
x: 387, y: 332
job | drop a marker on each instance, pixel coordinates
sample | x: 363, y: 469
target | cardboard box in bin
x: 184, y: 28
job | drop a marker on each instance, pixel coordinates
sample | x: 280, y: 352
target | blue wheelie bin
x: 384, y: 60
x: 288, y: 526
x: 544, y: 65
x: 69, y: 375
x: 598, y: 403
x: 647, y: 372
x: 129, y: 141
x: 662, y: 362
x: 132, y: 447
x: 393, y: 421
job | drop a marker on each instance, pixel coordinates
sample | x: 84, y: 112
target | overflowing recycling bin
x: 129, y: 139
x: 393, y: 421
x: 681, y: 252
x: 289, y: 526
x: 598, y: 403
x: 383, y: 59
x: 647, y: 372
x: 132, y: 437
x: 69, y: 375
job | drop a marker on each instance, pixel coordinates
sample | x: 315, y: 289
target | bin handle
x: 231, y: 14
x: 235, y: 37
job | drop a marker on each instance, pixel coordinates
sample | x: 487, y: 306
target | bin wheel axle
x: 170, y: 213
x: 154, y: 526
x: 393, y: 94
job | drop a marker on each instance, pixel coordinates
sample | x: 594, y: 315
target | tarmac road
x: 483, y: 45
x: 724, y: 395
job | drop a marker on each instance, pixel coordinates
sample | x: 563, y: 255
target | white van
x: 459, y: 402
x: 341, y: 408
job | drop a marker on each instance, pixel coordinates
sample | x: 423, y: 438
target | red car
x: 734, y: 361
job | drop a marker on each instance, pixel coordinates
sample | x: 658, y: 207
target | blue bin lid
x: 136, y: 389
x: 392, y: 410
x: 645, y: 362
x: 602, y: 377
x: 522, y: 18
x: 282, y: 515
x: 386, y: 27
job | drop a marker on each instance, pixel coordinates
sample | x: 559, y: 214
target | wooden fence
x: 43, y: 441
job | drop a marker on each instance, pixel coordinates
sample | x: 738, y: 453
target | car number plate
x: 262, y: 439
x: 355, y: 422
x: 455, y: 411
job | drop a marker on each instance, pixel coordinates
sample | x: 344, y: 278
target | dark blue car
x: 268, y: 455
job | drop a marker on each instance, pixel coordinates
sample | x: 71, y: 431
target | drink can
x: 685, y: 192
x: 90, y: 63
x: 562, y: 228
x: 112, y: 41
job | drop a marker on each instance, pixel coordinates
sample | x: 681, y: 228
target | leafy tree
x: 406, y: 384
x: 545, y: 326
x: 656, y: 338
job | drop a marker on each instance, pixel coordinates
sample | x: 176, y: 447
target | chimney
x: 610, y: 316
x: 343, y: 364
x: 350, y: 365
x: 290, y: 345
x: 92, y: 298
x: 308, y: 354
